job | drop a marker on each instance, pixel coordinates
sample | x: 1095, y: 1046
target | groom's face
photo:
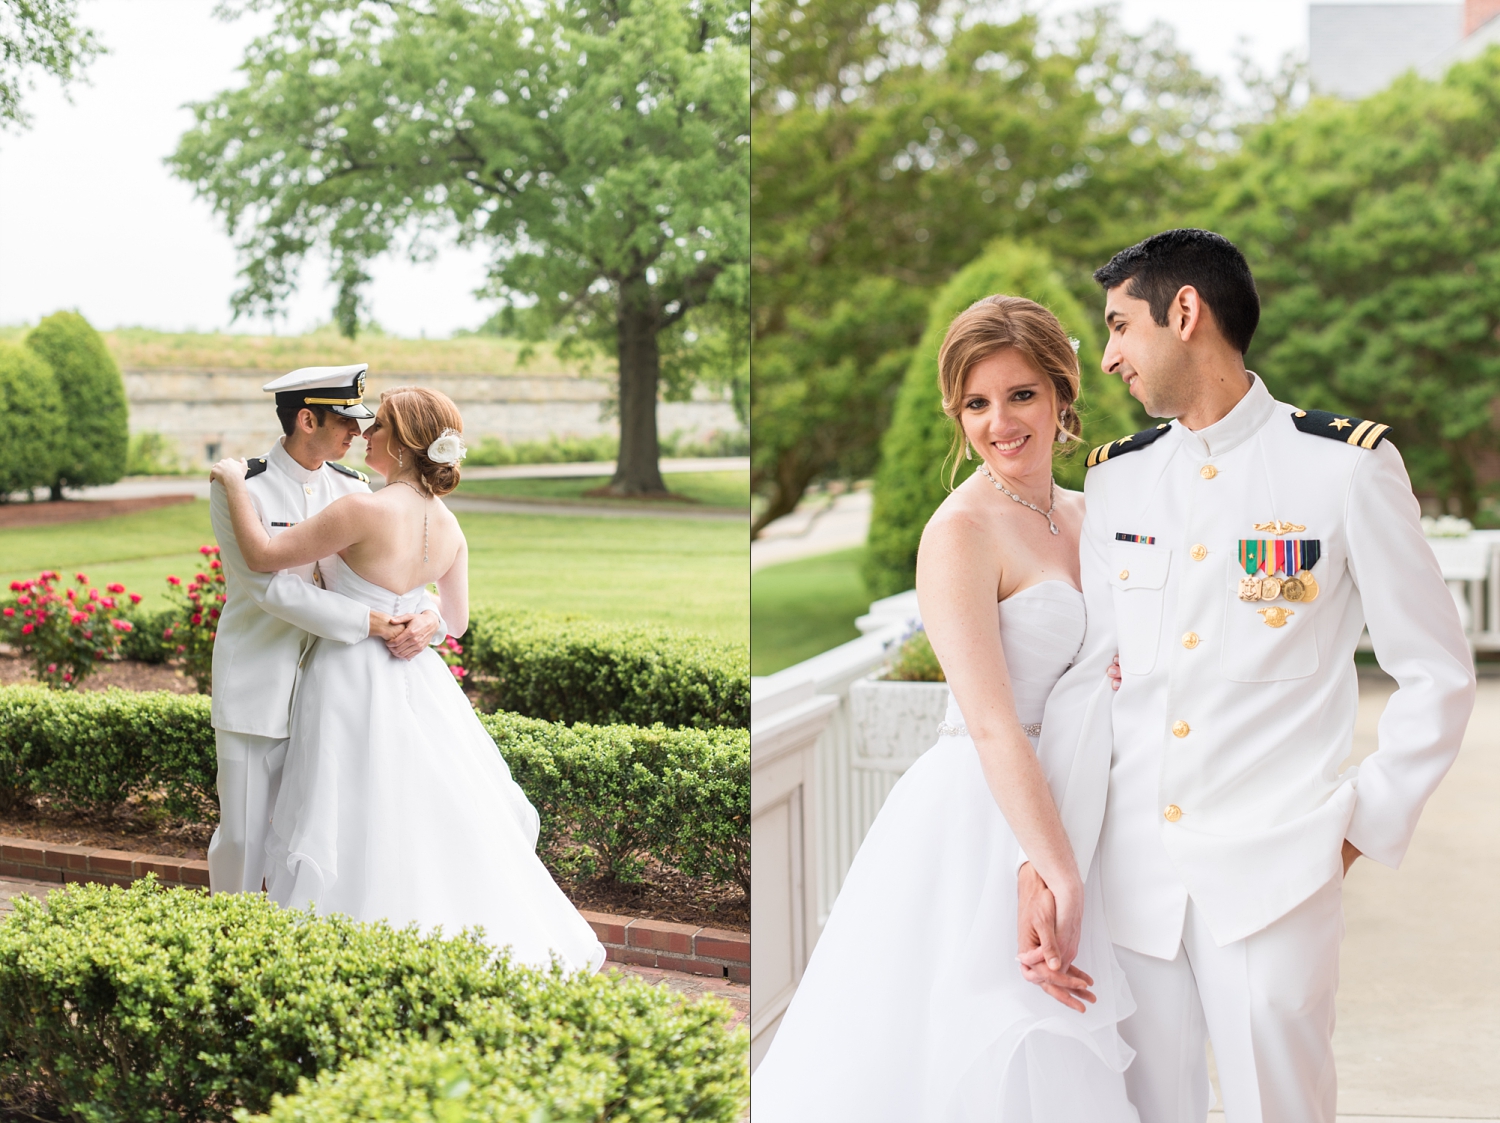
x: 1151, y: 358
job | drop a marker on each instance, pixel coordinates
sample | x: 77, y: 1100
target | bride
x: 395, y: 804
x: 928, y: 997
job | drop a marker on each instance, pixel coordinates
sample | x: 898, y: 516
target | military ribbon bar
x: 1144, y: 539
x: 1288, y: 556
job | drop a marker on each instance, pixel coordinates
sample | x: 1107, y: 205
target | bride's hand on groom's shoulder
x: 1044, y: 958
x: 228, y: 470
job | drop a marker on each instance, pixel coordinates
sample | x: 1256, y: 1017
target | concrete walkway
x: 821, y: 524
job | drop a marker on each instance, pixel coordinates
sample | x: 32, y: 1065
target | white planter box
x: 895, y: 722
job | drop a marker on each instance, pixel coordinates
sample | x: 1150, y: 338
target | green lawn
x: 690, y: 575
x: 800, y: 609
x: 713, y: 489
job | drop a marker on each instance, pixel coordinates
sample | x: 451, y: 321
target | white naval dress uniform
x: 267, y: 624
x: 1219, y: 847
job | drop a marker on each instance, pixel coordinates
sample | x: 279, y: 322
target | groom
x: 270, y: 619
x: 1233, y: 555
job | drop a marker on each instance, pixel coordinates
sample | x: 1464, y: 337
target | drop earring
x: 968, y: 451
x: 400, y: 459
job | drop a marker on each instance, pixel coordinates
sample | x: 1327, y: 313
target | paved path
x: 820, y: 525
x: 691, y: 986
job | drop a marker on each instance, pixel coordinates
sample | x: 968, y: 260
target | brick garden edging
x: 52, y: 861
x: 688, y: 948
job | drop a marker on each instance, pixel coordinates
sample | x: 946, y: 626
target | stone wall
x: 210, y: 413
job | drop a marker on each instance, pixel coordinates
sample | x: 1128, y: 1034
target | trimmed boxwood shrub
x: 32, y: 421
x: 912, y: 480
x: 618, y: 792
x: 613, y: 792
x: 94, y: 440
x: 562, y: 669
x: 146, y: 1005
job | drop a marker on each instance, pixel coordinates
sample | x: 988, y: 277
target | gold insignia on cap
x: 1276, y: 526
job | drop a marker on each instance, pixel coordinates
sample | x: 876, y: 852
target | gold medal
x: 1309, y: 586
x: 1293, y: 589
x: 1249, y: 588
x: 1270, y: 588
x: 1275, y: 617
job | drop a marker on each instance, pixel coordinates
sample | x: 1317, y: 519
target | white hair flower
x: 448, y: 448
x: 1073, y: 343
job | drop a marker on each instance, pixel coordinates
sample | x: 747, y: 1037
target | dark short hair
x: 287, y: 415
x: 1159, y: 267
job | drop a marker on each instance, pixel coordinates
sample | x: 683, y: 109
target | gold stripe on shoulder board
x: 1372, y: 436
x: 1359, y: 431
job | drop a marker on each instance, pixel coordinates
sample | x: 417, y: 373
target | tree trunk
x: 57, y: 491
x: 637, y: 471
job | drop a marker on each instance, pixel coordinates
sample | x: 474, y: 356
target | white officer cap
x: 340, y: 389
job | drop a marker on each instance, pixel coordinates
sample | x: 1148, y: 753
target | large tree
x: 600, y: 148
x: 1373, y: 228
x: 893, y: 143
x: 39, y: 36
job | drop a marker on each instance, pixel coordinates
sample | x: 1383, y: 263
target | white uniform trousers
x: 249, y: 779
x: 1266, y: 1002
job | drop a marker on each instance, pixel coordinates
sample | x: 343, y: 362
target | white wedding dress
x: 913, y: 1008
x: 395, y: 804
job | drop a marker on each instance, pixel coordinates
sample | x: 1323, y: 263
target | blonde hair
x: 415, y: 416
x: 991, y: 325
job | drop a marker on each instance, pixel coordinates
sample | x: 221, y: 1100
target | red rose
x: 52, y: 668
x: 213, y: 635
x: 215, y: 564
x: 197, y: 618
x: 108, y: 602
x: 16, y: 586
x: 205, y: 549
x: 23, y: 600
x: 82, y: 578
x: 135, y: 598
x: 88, y: 635
x: 458, y: 672
x: 10, y: 612
x: 174, y: 581
x: 26, y: 629
x: 116, y: 587
x: 78, y: 618
x: 180, y: 649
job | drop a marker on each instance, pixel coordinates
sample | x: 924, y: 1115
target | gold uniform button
x: 1198, y: 552
x: 1190, y: 640
x: 1124, y: 575
x: 307, y: 489
x: 1172, y: 813
x: 1208, y: 471
x: 1181, y: 728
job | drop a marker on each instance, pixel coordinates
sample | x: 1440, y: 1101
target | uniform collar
x: 1242, y: 422
x: 283, y: 460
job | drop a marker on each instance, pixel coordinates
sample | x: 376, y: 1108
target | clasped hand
x: 1047, y: 940
x: 406, y: 636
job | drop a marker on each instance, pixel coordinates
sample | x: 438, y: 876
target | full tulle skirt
x: 395, y: 805
x: 913, y: 1009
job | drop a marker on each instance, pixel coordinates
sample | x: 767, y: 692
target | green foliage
x: 916, y: 662
x: 1371, y: 229
x: 194, y: 622
x: 569, y: 670
x: 555, y: 450
x: 890, y: 145
x: 31, y: 420
x: 607, y: 794
x: 600, y: 151
x: 40, y: 35
x: 93, y: 750
x: 145, y: 642
x: 915, y: 453
x: 803, y: 608
x: 610, y: 794
x: 147, y: 1005
x: 151, y: 454
x: 96, y: 435
x: 65, y: 633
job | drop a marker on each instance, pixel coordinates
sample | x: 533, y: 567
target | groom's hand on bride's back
x: 387, y: 627
x: 1039, y: 956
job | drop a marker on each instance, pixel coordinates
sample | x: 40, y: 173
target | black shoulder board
x: 254, y: 467
x: 1126, y: 444
x: 360, y: 476
x: 1350, y: 430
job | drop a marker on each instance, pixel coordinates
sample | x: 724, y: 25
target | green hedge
x: 912, y: 480
x: 147, y: 1005
x: 31, y: 417
x: 91, y: 750
x: 563, y: 669
x: 612, y: 793
x: 618, y: 792
x: 94, y: 440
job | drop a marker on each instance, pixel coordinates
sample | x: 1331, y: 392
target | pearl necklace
x: 418, y: 490
x: 1047, y: 514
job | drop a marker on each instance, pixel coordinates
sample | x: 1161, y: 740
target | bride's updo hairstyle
x: 415, y: 417
x: 991, y: 325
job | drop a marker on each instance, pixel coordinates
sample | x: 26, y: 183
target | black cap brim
x: 360, y: 412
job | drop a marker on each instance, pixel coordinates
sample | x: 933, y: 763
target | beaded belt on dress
x: 947, y: 729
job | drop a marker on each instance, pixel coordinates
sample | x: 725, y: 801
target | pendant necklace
x: 1047, y: 514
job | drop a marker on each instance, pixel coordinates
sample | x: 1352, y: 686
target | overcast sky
x: 91, y: 219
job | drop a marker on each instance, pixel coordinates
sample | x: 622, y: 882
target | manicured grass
x: 712, y: 489
x: 800, y: 609
x: 682, y: 574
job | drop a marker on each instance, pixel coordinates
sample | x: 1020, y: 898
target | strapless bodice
x: 1041, y: 630
x: 344, y: 581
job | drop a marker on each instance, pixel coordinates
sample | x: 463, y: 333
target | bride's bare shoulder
x: 962, y: 521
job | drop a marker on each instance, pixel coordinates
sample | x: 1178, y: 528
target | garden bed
x: 127, y: 674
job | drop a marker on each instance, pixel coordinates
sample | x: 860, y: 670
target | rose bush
x: 190, y: 636
x: 65, y: 632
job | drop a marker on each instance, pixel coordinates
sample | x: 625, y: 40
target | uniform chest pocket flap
x: 1267, y: 642
x: 1139, y: 578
